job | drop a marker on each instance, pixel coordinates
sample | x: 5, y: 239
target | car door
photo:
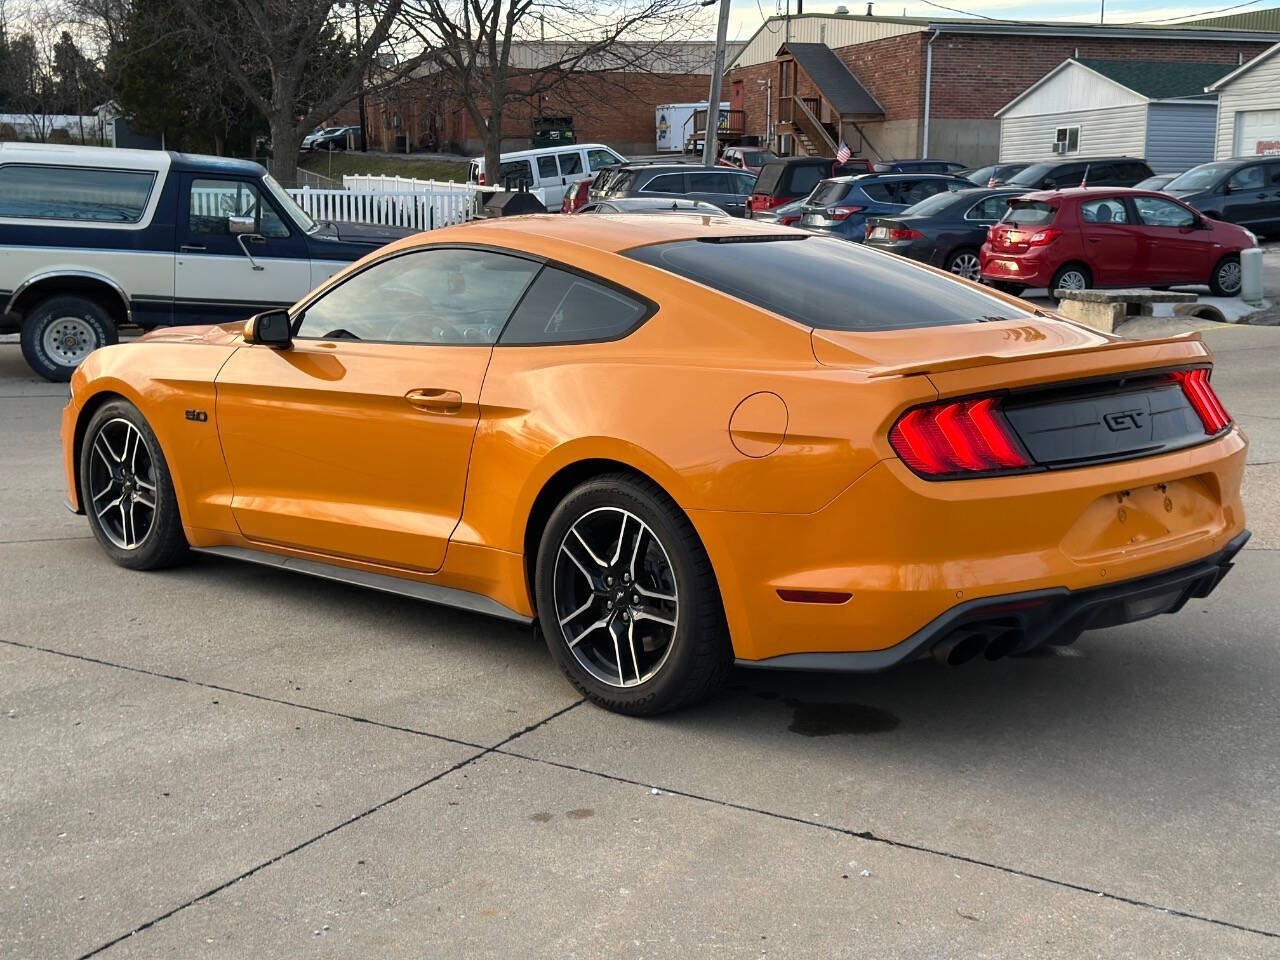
x: 571, y: 169
x: 355, y: 441
x: 1246, y: 196
x: 1269, y: 212
x: 1116, y: 251
x: 221, y: 275
x: 718, y: 187
x: 1180, y: 251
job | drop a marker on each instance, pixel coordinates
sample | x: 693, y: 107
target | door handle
x: 435, y: 400
x: 193, y: 248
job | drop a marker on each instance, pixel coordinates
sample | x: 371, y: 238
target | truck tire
x: 58, y: 333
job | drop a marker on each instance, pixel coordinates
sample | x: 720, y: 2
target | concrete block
x: 1100, y: 316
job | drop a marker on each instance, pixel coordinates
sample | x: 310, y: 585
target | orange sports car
x: 675, y: 442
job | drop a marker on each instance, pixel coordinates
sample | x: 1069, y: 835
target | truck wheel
x: 58, y: 333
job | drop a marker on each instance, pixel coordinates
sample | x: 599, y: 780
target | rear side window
x: 1104, y: 211
x: 826, y: 283
x: 833, y: 191
x: 990, y: 208
x: 711, y: 183
x: 1029, y: 213
x: 881, y: 192
x: 564, y: 307
x: 74, y: 193
x: 805, y: 178
x: 667, y: 183
x: 767, y: 182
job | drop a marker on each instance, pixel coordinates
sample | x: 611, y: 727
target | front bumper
x: 1016, y: 623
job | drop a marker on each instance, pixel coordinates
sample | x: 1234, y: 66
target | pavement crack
x: 214, y: 891
x: 899, y: 844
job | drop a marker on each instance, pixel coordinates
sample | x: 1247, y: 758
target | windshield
x: 1032, y: 175
x: 1201, y: 177
x: 826, y: 283
x: 300, y: 216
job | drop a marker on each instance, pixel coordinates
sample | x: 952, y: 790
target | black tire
x: 699, y: 654
x: 87, y: 324
x: 1069, y: 268
x: 164, y: 543
x: 953, y: 262
x: 1225, y: 281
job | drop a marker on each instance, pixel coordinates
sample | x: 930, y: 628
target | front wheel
x: 58, y: 333
x: 1226, y: 279
x: 127, y: 491
x: 627, y: 600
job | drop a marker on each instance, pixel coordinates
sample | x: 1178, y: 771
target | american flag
x: 1084, y: 181
x: 844, y: 153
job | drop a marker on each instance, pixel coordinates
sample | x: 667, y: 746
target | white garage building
x: 1155, y: 110
x: 1249, y: 109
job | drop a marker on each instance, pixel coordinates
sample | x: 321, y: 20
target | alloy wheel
x: 122, y: 484
x: 1072, y: 280
x: 615, y: 597
x: 1229, y: 277
x: 68, y: 340
x: 966, y: 265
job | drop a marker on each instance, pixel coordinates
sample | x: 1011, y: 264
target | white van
x: 549, y: 169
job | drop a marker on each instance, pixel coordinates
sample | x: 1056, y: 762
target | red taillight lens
x: 480, y: 180
x: 1043, y: 238
x: 1195, y: 384
x: 764, y: 201
x: 843, y: 213
x: 905, y: 233
x: 961, y: 436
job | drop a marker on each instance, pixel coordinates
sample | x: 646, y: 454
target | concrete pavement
x: 231, y: 761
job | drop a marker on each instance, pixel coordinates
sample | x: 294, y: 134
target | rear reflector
x: 1195, y: 384
x: 814, y: 596
x: 959, y: 436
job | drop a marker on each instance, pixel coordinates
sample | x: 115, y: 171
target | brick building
x: 612, y: 106
x: 937, y: 83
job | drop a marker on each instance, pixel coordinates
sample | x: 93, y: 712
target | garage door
x: 1257, y: 133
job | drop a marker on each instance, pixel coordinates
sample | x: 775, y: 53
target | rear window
x: 74, y: 193
x: 932, y: 205
x: 1032, y: 175
x: 767, y: 182
x: 1029, y: 213
x: 832, y: 191
x: 826, y: 283
x: 755, y: 158
x: 805, y: 178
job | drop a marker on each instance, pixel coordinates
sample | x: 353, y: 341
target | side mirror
x: 240, y: 225
x: 271, y: 328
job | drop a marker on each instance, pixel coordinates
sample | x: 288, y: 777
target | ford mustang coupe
x: 674, y: 442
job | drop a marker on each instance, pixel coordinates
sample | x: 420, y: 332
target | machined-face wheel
x: 1072, y: 280
x: 122, y: 483
x: 615, y: 596
x: 966, y: 265
x: 1229, y: 278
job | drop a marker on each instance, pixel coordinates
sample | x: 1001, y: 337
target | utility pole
x: 713, y: 98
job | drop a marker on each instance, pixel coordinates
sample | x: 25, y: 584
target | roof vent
x: 842, y: 11
x: 869, y: 6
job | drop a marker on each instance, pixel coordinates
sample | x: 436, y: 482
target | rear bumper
x: 1019, y: 622
x: 1016, y: 268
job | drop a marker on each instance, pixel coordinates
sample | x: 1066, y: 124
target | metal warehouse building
x: 1136, y: 108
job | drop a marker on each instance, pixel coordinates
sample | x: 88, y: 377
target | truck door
x: 237, y: 253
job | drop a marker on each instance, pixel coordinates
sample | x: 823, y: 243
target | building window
x: 1066, y: 140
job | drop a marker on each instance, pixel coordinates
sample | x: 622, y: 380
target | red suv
x: 1081, y: 238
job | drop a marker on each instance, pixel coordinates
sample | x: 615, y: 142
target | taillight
x: 956, y: 437
x: 1195, y: 384
x: 480, y: 180
x: 1043, y: 238
x: 843, y: 213
x: 763, y: 201
x: 904, y: 233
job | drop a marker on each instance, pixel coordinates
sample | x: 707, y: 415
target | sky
x: 746, y: 16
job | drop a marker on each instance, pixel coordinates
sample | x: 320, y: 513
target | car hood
x: 370, y: 233
x: 940, y: 349
x: 218, y: 333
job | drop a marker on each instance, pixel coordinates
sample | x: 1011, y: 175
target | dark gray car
x: 725, y: 188
x: 1245, y: 190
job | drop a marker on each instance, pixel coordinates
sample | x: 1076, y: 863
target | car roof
x: 1097, y: 193
x: 536, y: 151
x: 882, y: 177
x: 557, y: 235
x: 1088, y: 160
x: 114, y: 158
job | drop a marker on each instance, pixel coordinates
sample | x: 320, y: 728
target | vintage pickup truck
x: 95, y: 238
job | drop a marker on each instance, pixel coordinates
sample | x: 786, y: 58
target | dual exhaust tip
x: 968, y: 643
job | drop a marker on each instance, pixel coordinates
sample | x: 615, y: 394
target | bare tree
x: 472, y: 44
x: 287, y: 37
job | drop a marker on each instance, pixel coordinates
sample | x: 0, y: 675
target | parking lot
x: 229, y: 761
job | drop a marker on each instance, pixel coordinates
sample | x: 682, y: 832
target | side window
x: 563, y: 307
x: 710, y: 183
x: 667, y: 183
x: 881, y: 192
x: 743, y: 183
x: 570, y: 163
x: 515, y: 172
x: 992, y: 208
x: 597, y: 158
x: 430, y: 296
x: 1154, y: 212
x: 1068, y: 176
x: 74, y: 193
x: 1247, y: 178
x: 547, y: 167
x: 1273, y: 174
x: 212, y: 201
x: 805, y: 178
x: 1104, y: 211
